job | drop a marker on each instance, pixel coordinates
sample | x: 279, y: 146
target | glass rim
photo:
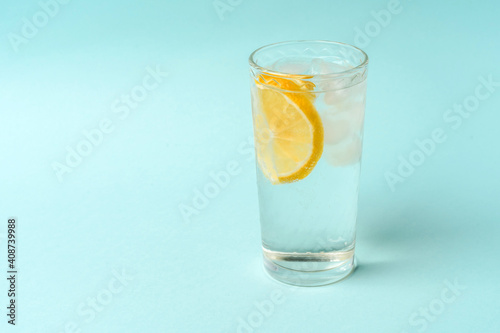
x: 269, y: 71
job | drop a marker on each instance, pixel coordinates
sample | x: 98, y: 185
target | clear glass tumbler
x: 308, y: 102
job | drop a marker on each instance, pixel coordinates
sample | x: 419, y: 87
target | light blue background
x: 119, y: 209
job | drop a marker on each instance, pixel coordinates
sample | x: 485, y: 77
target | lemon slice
x: 288, y: 129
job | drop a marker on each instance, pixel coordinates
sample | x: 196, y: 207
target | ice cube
x: 318, y: 66
x: 345, y: 153
x: 337, y: 127
x: 290, y: 66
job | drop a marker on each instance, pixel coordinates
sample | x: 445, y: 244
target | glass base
x: 309, y: 269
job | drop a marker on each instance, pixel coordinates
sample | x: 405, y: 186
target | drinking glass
x: 308, y: 102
